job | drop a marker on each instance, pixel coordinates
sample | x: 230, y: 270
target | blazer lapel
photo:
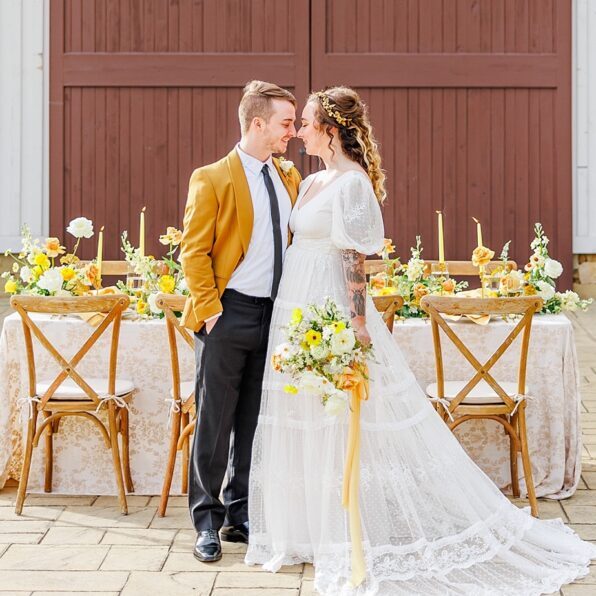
x: 292, y: 190
x: 244, y: 208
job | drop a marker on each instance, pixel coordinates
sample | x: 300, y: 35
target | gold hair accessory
x: 331, y: 110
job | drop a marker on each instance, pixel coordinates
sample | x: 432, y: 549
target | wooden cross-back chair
x: 183, y: 414
x: 455, y: 268
x: 483, y: 397
x: 72, y: 394
x: 388, y: 306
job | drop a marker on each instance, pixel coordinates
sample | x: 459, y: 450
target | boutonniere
x: 285, y: 165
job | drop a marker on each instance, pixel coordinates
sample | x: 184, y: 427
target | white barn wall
x: 24, y: 74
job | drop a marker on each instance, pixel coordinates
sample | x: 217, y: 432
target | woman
x: 432, y: 521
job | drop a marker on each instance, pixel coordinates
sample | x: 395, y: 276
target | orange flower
x: 276, y: 362
x: 529, y: 290
x: 52, y: 247
x: 448, y: 286
x: 92, y: 275
x: 388, y: 248
x: 420, y: 290
x: 349, y: 378
x: 378, y: 281
x: 482, y: 256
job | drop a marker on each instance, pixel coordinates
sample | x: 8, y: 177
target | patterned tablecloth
x: 82, y: 465
x: 553, y: 413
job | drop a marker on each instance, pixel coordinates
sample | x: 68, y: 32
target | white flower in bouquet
x: 26, y: 274
x: 182, y: 285
x: 311, y: 382
x: 569, y: 300
x: 536, y: 262
x: 545, y: 290
x: 336, y: 403
x: 286, y: 165
x: 343, y: 341
x: 80, y: 227
x: 51, y: 280
x: 552, y: 268
x: 284, y: 351
x: 319, y: 352
x: 415, y: 269
x: 151, y: 301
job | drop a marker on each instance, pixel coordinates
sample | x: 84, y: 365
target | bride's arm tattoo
x: 353, y: 265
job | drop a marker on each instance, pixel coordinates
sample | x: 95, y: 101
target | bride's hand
x: 359, y: 325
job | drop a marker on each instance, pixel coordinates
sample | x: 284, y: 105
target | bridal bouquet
x: 541, y: 273
x: 322, y: 356
x: 152, y: 276
x: 47, y: 269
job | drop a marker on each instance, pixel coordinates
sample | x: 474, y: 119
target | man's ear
x: 258, y: 122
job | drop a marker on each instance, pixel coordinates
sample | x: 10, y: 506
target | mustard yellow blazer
x: 218, y: 222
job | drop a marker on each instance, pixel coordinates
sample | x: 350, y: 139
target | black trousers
x: 230, y: 364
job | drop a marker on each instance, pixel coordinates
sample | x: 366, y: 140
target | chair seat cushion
x: 186, y: 388
x: 482, y: 393
x: 69, y: 390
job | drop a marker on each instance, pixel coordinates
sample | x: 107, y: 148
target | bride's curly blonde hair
x: 342, y: 108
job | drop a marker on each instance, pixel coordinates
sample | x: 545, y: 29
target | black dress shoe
x: 237, y: 533
x: 207, y: 547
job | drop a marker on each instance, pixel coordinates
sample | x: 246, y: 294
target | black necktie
x: 277, y: 261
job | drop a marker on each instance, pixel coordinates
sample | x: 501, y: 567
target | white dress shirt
x: 254, y: 275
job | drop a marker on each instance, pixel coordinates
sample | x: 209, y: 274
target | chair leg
x: 23, y: 481
x: 49, y: 467
x: 185, y: 457
x: 513, y: 451
x: 124, y: 431
x: 116, y: 457
x: 171, y: 464
x: 525, y: 456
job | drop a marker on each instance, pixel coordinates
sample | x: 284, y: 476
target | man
x: 235, y: 236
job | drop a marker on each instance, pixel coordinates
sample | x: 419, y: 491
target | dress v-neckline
x: 301, y: 205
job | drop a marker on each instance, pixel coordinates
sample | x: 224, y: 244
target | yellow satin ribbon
x: 357, y: 382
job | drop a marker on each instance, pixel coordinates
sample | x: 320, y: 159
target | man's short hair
x: 257, y: 101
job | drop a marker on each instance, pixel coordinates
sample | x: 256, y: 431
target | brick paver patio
x: 82, y: 545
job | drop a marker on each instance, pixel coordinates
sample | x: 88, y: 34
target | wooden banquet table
x: 82, y: 465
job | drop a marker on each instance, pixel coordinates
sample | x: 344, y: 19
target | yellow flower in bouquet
x: 482, y: 256
x: 378, y: 281
x: 37, y: 271
x: 41, y: 260
x: 385, y: 291
x: 141, y: 307
x: 10, y: 287
x: 529, y: 290
x: 69, y: 259
x: 338, y: 326
x: 296, y: 316
x: 388, y: 248
x: 92, y: 275
x: 166, y: 284
x: 511, y: 283
x: 67, y: 273
x: 53, y: 248
x: 312, y: 337
x: 291, y: 389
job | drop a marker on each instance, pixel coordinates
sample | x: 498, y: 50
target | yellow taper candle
x: 142, y: 233
x: 100, y: 252
x: 479, y: 231
x: 441, y: 239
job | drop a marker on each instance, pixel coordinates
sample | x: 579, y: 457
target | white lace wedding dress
x: 432, y: 521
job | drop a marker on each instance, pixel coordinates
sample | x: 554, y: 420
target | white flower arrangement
x: 285, y: 165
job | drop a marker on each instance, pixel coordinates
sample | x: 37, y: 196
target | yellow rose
x: 296, y: 316
x: 53, y: 248
x: 167, y: 283
x: 312, y: 337
x: 141, y: 307
x: 67, y: 273
x: 37, y: 271
x: 510, y: 284
x: 42, y: 260
x: 10, y: 287
x: 482, y: 256
x: 291, y: 389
